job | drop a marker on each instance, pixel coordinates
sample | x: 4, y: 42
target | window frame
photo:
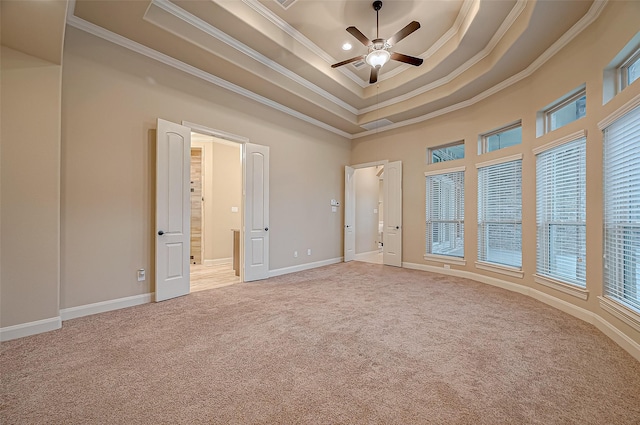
x: 483, y: 138
x: 429, y: 255
x: 510, y: 270
x: 567, y: 100
x: 447, y: 145
x: 550, y: 280
x: 623, y: 69
x: 612, y: 304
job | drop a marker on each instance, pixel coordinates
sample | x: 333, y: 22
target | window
x: 630, y: 70
x: 500, y: 213
x: 565, y: 111
x: 561, y: 212
x: 445, y: 213
x: 622, y: 210
x: 502, y: 138
x: 446, y: 153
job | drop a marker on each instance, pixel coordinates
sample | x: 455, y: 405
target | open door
x: 392, y: 248
x: 173, y: 157
x: 256, y: 210
x: 349, y: 214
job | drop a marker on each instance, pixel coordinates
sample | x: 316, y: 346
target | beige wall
x: 582, y: 61
x: 222, y: 190
x: 367, y: 196
x: 30, y: 180
x: 111, y: 100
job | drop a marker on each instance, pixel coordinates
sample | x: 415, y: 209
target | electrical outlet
x: 141, y: 275
x: 295, y: 254
x: 309, y: 251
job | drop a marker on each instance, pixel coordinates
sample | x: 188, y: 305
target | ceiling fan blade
x: 411, y: 60
x: 357, y: 58
x: 403, y: 32
x: 360, y: 36
x: 374, y: 75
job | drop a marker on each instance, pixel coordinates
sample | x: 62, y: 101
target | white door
x: 256, y: 219
x: 173, y: 148
x: 349, y: 214
x: 392, y: 248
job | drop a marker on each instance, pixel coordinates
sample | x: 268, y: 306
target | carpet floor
x: 351, y: 343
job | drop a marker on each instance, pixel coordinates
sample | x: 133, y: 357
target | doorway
x: 216, y: 212
x: 369, y: 214
x: 373, y: 217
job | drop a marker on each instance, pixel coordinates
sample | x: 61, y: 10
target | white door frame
x: 197, y: 128
x: 346, y: 198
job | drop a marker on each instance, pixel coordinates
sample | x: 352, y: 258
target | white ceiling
x: 282, y: 57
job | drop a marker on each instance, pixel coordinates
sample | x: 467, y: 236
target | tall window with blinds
x: 445, y: 213
x: 622, y: 210
x: 561, y: 212
x: 500, y: 213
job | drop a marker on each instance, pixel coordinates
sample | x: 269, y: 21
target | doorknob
x: 397, y: 227
x: 160, y: 232
x: 266, y: 229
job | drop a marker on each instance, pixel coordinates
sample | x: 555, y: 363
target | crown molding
x: 461, y: 19
x: 499, y: 34
x: 297, y: 35
x: 93, y: 29
x: 593, y: 14
x: 209, y: 29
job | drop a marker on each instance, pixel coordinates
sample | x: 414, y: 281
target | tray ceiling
x: 282, y: 56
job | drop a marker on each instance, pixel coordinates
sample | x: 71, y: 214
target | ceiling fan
x: 379, y: 48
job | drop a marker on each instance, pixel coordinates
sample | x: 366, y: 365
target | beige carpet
x: 351, y: 343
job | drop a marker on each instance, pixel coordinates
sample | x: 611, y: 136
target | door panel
x: 256, y: 222
x: 349, y: 214
x: 173, y: 144
x: 392, y: 248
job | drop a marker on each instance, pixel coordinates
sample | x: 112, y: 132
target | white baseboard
x: 30, y: 328
x: 605, y: 327
x: 306, y: 266
x: 103, y: 306
x: 217, y: 261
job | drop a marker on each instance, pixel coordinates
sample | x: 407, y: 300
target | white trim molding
x: 628, y: 344
x: 618, y: 113
x: 561, y: 141
x: 306, y: 266
x: 197, y: 128
x: 623, y: 313
x: 104, y: 306
x: 500, y: 160
x: 30, y: 328
x: 445, y: 259
x: 567, y: 288
x: 444, y: 171
x: 505, y: 270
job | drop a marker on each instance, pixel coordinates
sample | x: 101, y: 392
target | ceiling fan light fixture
x: 377, y: 58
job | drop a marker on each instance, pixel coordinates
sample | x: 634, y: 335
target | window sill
x: 567, y: 288
x: 446, y: 259
x: 623, y: 313
x: 506, y: 270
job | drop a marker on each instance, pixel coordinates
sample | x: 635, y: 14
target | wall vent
x: 359, y: 64
x: 376, y: 124
x: 285, y: 3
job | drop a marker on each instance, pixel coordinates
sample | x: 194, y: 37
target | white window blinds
x: 445, y: 214
x: 622, y: 210
x: 561, y: 212
x: 500, y: 213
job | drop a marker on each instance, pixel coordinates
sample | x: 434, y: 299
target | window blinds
x: 561, y: 212
x: 622, y: 210
x: 445, y: 214
x: 500, y: 213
